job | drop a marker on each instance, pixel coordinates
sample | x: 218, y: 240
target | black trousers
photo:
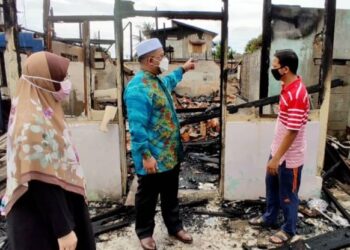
x: 150, y: 186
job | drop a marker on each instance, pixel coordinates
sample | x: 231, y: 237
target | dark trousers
x: 150, y: 186
x: 38, y: 215
x: 282, y: 192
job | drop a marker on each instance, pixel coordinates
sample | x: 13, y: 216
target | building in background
x: 183, y: 41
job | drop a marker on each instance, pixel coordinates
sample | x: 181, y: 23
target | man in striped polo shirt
x: 288, y: 148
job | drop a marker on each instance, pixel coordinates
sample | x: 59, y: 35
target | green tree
x: 147, y: 28
x: 254, y: 44
x: 217, y: 52
x: 231, y: 53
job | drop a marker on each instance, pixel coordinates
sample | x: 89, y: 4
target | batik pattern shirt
x: 153, y: 124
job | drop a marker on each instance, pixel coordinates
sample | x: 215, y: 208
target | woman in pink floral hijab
x: 45, y: 194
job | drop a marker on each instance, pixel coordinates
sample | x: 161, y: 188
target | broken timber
x: 337, y: 239
x: 205, y: 143
x: 124, y: 216
x: 342, y: 210
x: 112, y: 220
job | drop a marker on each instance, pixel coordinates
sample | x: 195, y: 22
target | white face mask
x: 61, y: 95
x: 164, y: 64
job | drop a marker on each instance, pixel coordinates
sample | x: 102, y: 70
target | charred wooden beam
x: 112, y: 212
x: 342, y: 210
x: 205, y: 143
x: 80, y: 18
x: 190, y: 110
x: 274, y: 99
x: 223, y: 91
x: 112, y: 223
x: 335, y: 166
x: 108, y: 228
x: 337, y: 239
x: 203, y: 15
x: 12, y: 29
x: 113, y: 220
x: 327, y: 56
x: 325, y: 78
x: 203, y: 157
x: 78, y: 40
x: 201, y: 117
x: 265, y: 50
x: 194, y: 203
x: 214, y: 113
x: 3, y: 70
x: 330, y: 172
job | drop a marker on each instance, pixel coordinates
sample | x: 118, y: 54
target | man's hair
x: 289, y: 58
x: 141, y: 58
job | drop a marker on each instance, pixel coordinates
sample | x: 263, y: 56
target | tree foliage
x: 254, y: 44
x: 147, y: 28
x: 217, y: 52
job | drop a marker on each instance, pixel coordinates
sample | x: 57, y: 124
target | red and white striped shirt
x: 293, y: 114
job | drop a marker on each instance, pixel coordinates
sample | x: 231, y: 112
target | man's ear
x: 150, y: 60
x: 287, y: 69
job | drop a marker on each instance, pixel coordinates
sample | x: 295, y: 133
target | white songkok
x: 147, y: 46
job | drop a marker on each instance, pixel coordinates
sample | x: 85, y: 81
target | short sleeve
x: 297, y: 112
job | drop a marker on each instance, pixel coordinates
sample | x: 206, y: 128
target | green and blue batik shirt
x: 153, y: 123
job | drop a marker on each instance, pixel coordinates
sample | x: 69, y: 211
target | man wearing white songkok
x: 155, y: 141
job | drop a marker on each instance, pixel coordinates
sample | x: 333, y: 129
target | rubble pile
x: 200, y: 168
x: 203, y: 101
x: 203, y: 131
x: 215, y: 219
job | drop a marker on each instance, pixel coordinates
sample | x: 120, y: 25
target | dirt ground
x: 210, y: 232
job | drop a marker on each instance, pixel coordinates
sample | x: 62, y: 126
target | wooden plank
x: 87, y: 68
x: 130, y: 199
x: 46, y: 12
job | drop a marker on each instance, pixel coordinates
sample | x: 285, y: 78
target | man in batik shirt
x: 155, y: 141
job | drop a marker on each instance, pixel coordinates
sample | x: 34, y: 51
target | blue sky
x: 244, y: 23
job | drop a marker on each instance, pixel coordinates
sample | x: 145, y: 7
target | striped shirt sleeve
x: 297, y: 113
